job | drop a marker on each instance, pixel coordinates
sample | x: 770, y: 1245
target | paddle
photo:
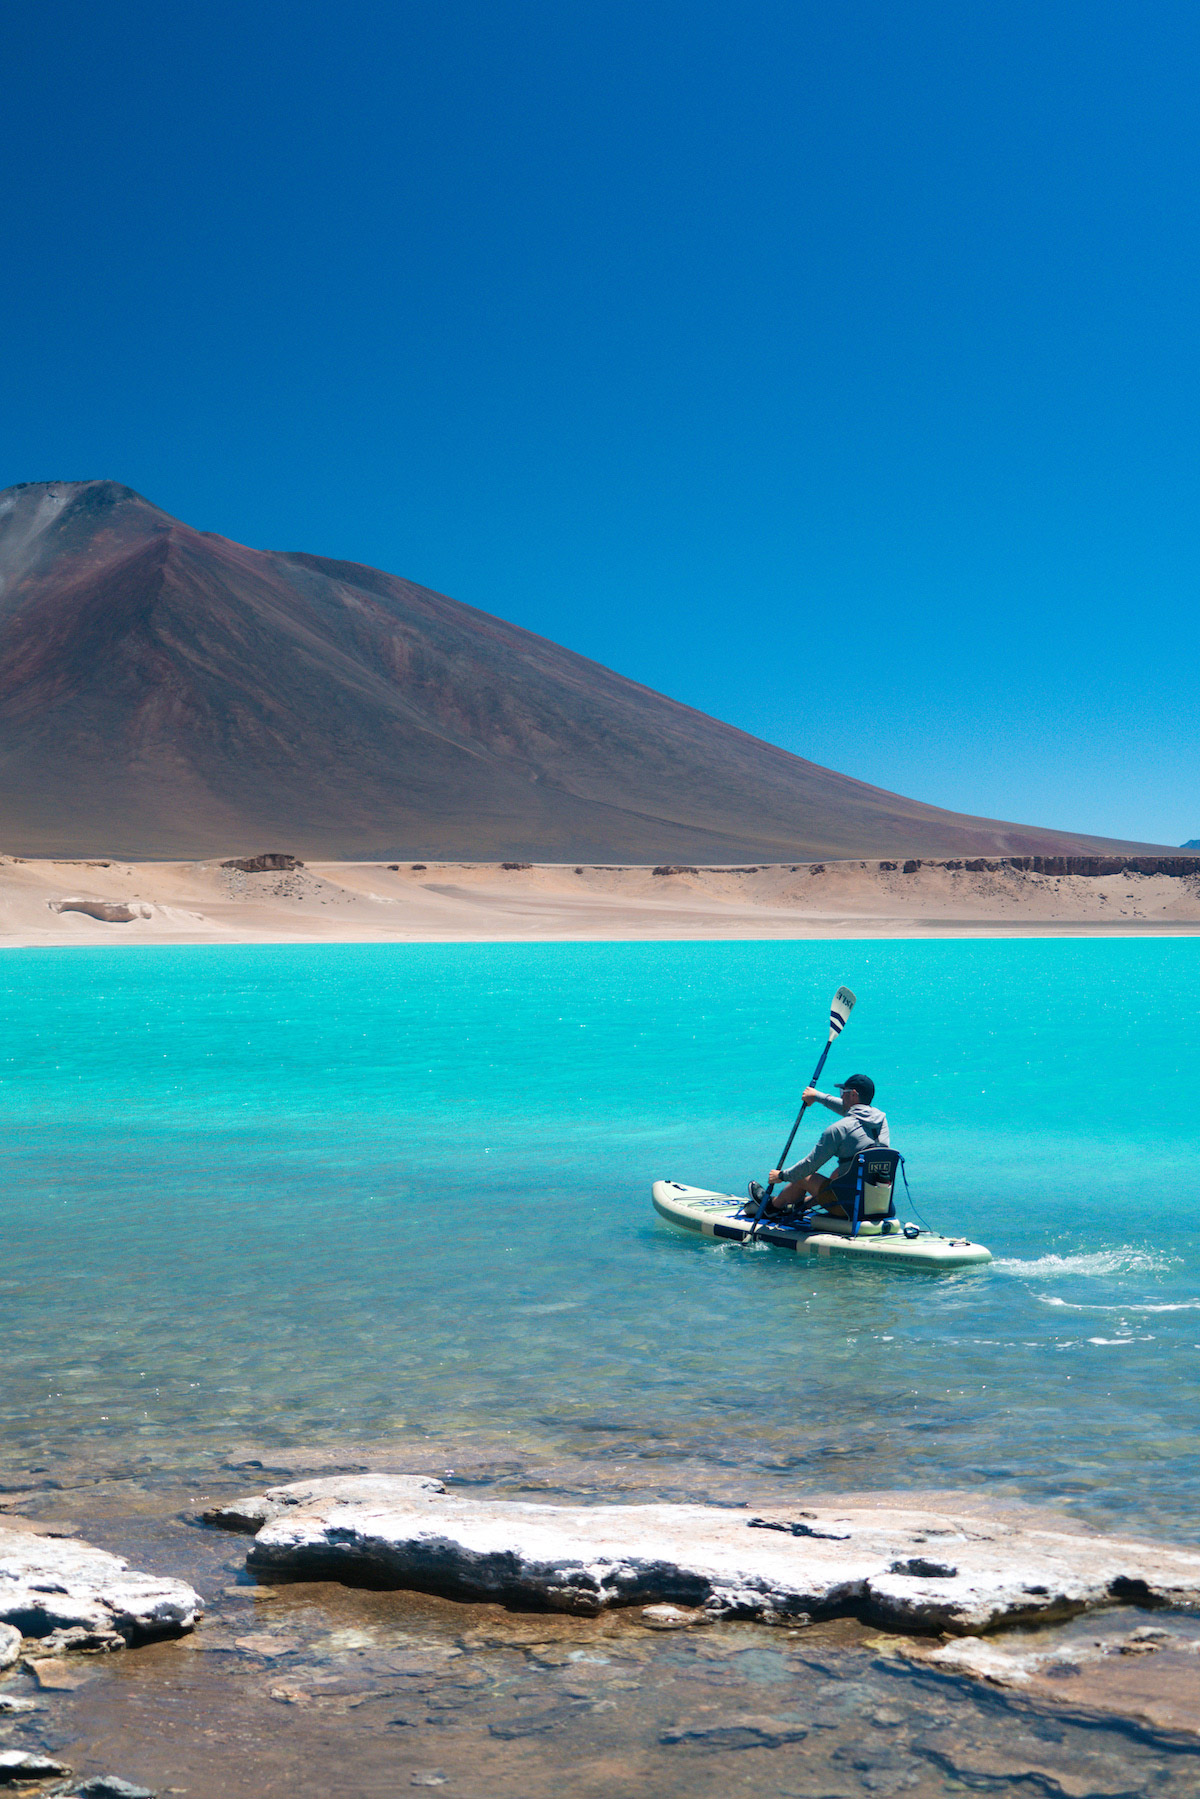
x: 839, y: 1012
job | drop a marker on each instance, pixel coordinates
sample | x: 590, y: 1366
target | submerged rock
x: 55, y: 1674
x: 81, y: 1597
x: 744, y: 1730
x: 913, y: 1568
x: 1028, y: 1757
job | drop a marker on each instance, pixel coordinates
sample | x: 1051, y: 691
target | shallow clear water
x: 396, y: 1195
x: 313, y: 1691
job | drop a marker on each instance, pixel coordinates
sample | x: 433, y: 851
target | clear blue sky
x: 830, y: 367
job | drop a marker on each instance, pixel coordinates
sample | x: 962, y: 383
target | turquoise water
x: 399, y: 1195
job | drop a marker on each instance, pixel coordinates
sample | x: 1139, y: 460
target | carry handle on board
x: 843, y: 1004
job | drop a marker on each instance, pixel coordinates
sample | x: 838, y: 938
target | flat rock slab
x: 1151, y: 1673
x: 111, y: 1786
x: 83, y: 1597
x: 915, y: 1569
x: 28, y: 1764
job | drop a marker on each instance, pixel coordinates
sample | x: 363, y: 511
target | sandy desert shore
x: 53, y: 903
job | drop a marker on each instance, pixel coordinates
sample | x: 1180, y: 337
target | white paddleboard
x: 716, y: 1215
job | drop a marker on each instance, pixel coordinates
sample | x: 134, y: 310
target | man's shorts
x: 829, y: 1196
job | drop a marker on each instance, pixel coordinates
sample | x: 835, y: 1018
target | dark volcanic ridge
x: 167, y: 693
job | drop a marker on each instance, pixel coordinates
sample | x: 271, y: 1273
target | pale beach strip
x: 102, y: 901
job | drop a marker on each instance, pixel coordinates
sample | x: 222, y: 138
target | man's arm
x: 812, y: 1096
x: 823, y: 1150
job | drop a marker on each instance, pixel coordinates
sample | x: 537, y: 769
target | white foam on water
x: 1078, y: 1305
x: 1125, y: 1260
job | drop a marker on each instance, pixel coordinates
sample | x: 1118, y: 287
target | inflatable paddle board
x: 716, y: 1215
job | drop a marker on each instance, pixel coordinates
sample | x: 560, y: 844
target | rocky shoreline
x: 488, y: 1631
x: 911, y: 1568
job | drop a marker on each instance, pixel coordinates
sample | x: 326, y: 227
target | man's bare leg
x: 809, y: 1188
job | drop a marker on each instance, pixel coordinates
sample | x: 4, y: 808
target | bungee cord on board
x: 912, y: 1202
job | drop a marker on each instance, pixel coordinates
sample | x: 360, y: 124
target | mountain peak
x: 89, y: 496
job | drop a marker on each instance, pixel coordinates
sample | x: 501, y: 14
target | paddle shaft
x: 803, y: 1109
x: 839, y: 1012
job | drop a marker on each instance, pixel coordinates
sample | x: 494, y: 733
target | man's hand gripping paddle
x: 839, y: 1012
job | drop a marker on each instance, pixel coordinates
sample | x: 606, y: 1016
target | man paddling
x: 861, y: 1125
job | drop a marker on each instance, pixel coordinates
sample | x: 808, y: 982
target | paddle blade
x: 839, y: 1011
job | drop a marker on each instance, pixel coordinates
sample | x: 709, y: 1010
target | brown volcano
x: 167, y: 693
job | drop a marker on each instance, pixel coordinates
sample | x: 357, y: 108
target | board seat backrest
x: 874, y: 1172
x: 878, y: 1178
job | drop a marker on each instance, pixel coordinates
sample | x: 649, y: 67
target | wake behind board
x: 716, y: 1215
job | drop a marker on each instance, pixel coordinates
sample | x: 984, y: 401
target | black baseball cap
x: 862, y: 1082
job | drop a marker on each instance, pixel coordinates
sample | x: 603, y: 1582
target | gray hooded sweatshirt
x: 862, y: 1127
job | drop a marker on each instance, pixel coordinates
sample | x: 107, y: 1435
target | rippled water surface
x: 395, y: 1195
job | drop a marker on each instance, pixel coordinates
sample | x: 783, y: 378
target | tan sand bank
x: 60, y: 902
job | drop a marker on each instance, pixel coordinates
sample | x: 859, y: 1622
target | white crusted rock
x: 28, y: 1764
x: 111, y: 1786
x: 910, y: 1567
x: 10, y: 1645
x: 252, y: 1511
x: 1000, y: 1664
x: 56, y: 1584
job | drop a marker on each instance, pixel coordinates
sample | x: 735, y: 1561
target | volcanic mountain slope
x: 165, y: 692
